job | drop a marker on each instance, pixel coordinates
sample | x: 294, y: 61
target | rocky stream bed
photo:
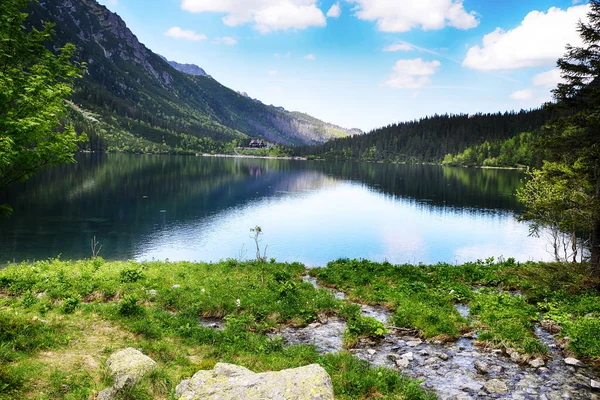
x: 460, y: 370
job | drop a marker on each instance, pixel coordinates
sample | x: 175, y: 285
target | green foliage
x: 70, y: 304
x: 572, y: 143
x: 33, y: 85
x: 366, y: 327
x: 507, y: 320
x: 130, y: 275
x: 518, y: 151
x: 432, y: 138
x: 129, y: 306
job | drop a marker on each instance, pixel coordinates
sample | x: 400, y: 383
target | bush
x: 584, y: 336
x: 129, y: 306
x: 70, y: 304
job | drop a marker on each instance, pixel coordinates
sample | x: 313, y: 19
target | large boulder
x: 126, y: 367
x: 227, y: 381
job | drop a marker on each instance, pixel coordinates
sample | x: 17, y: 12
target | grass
x: 423, y: 297
x: 59, y: 322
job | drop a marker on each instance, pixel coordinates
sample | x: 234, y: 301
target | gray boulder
x: 126, y: 367
x: 496, y: 386
x: 228, y: 382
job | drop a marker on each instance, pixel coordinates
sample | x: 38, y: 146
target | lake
x: 145, y: 207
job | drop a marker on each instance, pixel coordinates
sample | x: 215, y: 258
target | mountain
x: 190, y: 69
x: 142, y: 103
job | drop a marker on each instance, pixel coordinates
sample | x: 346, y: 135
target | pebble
x: 595, y: 384
x: 574, y: 362
x: 443, y: 356
x: 402, y: 362
x: 176, y: 286
x: 408, y: 356
x: 481, y: 368
x: 371, y: 352
x: 536, y: 363
x: 496, y: 386
x: 414, y: 343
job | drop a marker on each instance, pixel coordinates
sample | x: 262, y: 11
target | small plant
x: 130, y: 275
x: 366, y: 327
x: 96, y: 247
x: 70, y: 304
x: 255, y: 233
x: 129, y: 306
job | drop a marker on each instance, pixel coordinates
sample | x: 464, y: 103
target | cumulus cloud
x: 522, y: 95
x: 335, y: 11
x: 549, y: 79
x: 310, y: 57
x: 404, y: 15
x: 539, y: 40
x: 412, y: 74
x: 265, y: 15
x: 226, y: 40
x: 178, y: 33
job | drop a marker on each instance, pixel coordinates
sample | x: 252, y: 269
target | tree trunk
x: 595, y: 240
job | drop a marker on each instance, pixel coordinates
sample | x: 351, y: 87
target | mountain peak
x: 190, y: 69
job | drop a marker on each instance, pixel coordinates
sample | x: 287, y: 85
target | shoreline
x: 249, y: 156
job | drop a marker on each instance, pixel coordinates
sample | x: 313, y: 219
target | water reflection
x: 193, y: 208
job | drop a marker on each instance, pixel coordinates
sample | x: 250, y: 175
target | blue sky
x: 367, y: 63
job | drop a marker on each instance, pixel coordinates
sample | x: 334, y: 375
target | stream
x: 456, y: 370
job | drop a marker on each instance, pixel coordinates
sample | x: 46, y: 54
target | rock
x: 107, y: 394
x: 228, y: 382
x: 322, y: 318
x: 481, y: 368
x: 574, y: 362
x: 551, y: 326
x: 402, y: 363
x: 443, y: 356
x: 536, y: 363
x: 128, y: 366
x: 408, y: 356
x: 152, y: 293
x: 424, y: 353
x: 414, y: 343
x: 371, y: 352
x: 496, y: 368
x: 471, y: 387
x: 595, y: 384
x: 430, y: 361
x: 176, y: 286
x: 516, y: 357
x: 496, y: 386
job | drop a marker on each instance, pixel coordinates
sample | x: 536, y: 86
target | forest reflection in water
x: 196, y: 208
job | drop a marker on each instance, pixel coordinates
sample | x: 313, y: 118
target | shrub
x: 128, y: 306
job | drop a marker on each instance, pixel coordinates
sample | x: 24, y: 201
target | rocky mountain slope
x: 129, y: 88
x: 190, y: 69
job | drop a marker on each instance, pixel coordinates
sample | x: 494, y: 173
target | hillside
x: 430, y: 139
x: 142, y: 102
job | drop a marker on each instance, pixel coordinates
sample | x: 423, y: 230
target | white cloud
x: 226, y: 40
x: 522, y: 95
x: 310, y: 57
x: 178, y: 33
x: 412, y: 74
x: 539, y: 40
x: 273, y: 72
x: 398, y: 47
x: 335, y: 11
x: 548, y: 79
x: 404, y: 15
x: 265, y: 15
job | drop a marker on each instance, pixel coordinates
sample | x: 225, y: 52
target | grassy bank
x: 59, y: 321
x: 507, y: 300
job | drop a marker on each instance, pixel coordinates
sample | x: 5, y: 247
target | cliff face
x: 126, y: 82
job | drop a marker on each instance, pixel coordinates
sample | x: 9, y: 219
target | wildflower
x: 237, y: 303
x: 203, y: 290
